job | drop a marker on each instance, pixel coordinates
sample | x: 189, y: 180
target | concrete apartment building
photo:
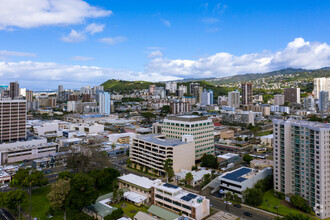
x: 14, y: 90
x: 234, y: 99
x: 259, y: 108
x: 200, y: 127
x: 279, y: 99
x: 167, y: 196
x: 247, y: 93
x: 321, y: 84
x: 29, y: 96
x: 323, y: 101
x: 151, y: 151
x: 292, y: 95
x: 12, y: 119
x: 301, y: 162
x: 104, y: 103
x: 238, y: 117
x: 178, y: 108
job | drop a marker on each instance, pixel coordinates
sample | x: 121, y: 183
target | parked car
x: 237, y: 205
x: 228, y: 202
x: 248, y: 214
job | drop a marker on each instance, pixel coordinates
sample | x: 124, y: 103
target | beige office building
x: 321, y: 84
x: 301, y: 162
x: 151, y: 151
x: 200, y: 127
x: 12, y: 119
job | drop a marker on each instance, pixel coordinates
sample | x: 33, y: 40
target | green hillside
x: 125, y: 86
x: 300, y: 73
x: 217, y: 91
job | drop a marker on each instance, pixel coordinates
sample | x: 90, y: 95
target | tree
x: 12, y: 199
x: 166, y: 109
x: 82, y: 192
x: 104, y: 177
x: 247, y: 158
x: 23, y: 178
x: 148, y: 116
x: 253, y: 196
x: 65, y: 175
x: 265, y: 184
x: 168, y: 169
x: 189, y: 177
x: 58, y: 194
x: 120, y: 194
x: 296, y: 217
x: 209, y: 160
x: 300, y: 203
x: 206, y: 179
x: 116, y: 214
x: 86, y: 158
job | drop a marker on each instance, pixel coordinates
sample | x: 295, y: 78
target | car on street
x: 249, y: 214
x: 228, y: 202
x: 237, y: 205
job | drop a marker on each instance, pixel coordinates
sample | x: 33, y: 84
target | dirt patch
x: 287, y: 204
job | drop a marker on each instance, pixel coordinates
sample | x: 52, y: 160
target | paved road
x: 220, y: 205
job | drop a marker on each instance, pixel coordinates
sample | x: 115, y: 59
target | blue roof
x: 237, y: 174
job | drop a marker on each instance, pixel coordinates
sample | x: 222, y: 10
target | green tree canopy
x: 23, y: 178
x: 247, y: 158
x: 11, y: 199
x: 253, y: 196
x: 58, y: 194
x: 209, y: 160
x: 189, y: 178
x: 82, y: 192
x: 116, y: 214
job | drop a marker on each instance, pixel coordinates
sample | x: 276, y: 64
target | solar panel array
x: 237, y: 175
x: 186, y: 198
x: 192, y: 195
x: 170, y: 186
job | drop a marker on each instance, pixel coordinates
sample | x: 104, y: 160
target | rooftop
x: 161, y: 140
x: 162, y: 213
x: 237, y: 175
x: 188, y: 118
x: 303, y: 123
x: 140, y: 181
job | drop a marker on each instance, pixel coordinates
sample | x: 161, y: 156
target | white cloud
x: 156, y: 53
x: 38, y: 75
x: 6, y: 53
x: 113, y: 40
x: 36, y: 13
x: 298, y: 54
x: 94, y: 28
x: 78, y: 36
x: 81, y: 58
x: 167, y: 23
x: 74, y: 37
x: 210, y: 20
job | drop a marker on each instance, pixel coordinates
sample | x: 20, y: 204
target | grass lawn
x: 263, y: 133
x: 273, y: 202
x: 40, y: 205
x: 130, y: 210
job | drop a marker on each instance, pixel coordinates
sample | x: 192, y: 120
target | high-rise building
x: 14, y: 90
x: 301, y: 162
x: 279, y: 99
x: 247, y: 93
x: 60, y: 88
x: 321, y: 84
x: 178, y: 108
x: 207, y: 97
x: 12, y: 119
x: 196, y: 91
x: 171, y: 87
x: 292, y: 95
x: 152, y: 88
x: 309, y: 103
x: 323, y: 101
x: 86, y: 97
x: 29, y: 96
x: 2, y: 89
x: 104, y: 103
x: 60, y: 92
x: 200, y: 127
x: 234, y: 99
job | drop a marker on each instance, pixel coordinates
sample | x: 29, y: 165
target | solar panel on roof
x: 237, y: 175
x: 186, y: 198
x: 191, y: 195
x: 170, y: 186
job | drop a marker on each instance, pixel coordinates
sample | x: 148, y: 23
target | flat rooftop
x: 188, y: 118
x: 237, y: 175
x: 140, y: 181
x: 161, y: 140
x: 303, y: 123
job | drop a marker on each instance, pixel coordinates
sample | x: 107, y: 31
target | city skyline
x: 89, y: 42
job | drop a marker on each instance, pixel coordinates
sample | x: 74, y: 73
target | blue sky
x: 76, y: 42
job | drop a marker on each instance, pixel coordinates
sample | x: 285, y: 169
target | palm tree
x: 189, y: 177
x: 168, y: 169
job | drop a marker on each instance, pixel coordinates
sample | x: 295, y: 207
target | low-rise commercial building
x: 151, y: 152
x: 240, y: 179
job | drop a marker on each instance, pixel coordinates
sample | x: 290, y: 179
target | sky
x: 45, y: 43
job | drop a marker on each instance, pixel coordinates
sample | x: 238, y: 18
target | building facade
x: 207, y: 97
x: 301, y: 162
x: 234, y: 99
x: 104, y: 103
x: 321, y: 84
x: 151, y: 152
x: 247, y: 93
x: 292, y: 95
x: 14, y: 90
x: 279, y: 99
x: 178, y: 108
x: 200, y: 127
x: 12, y: 119
x: 323, y: 101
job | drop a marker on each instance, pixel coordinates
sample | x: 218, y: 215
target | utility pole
x: 30, y: 200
